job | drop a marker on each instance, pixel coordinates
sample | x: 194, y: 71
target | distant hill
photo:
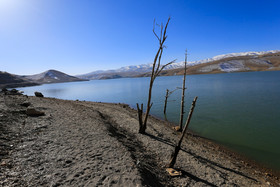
x: 128, y: 71
x: 52, y: 76
x: 263, y: 62
x: 233, y: 62
x: 8, y: 80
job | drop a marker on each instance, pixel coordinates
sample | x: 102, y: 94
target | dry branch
x: 178, y: 146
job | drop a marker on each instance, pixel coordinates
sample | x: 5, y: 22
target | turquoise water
x: 239, y: 110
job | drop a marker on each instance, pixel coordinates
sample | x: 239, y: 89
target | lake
x: 239, y: 110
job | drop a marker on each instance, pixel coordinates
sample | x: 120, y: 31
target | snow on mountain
x: 144, y: 68
x: 136, y: 69
x: 232, y: 65
x: 219, y: 57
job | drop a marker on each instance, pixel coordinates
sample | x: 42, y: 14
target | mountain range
x: 233, y: 62
x: 263, y: 61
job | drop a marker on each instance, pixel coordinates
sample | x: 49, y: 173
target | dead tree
x: 157, y: 68
x: 165, y: 102
x: 168, y: 93
x: 178, y: 146
x: 183, y: 96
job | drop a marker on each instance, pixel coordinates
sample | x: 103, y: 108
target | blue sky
x: 80, y: 36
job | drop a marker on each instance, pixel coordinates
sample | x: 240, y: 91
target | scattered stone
x: 14, y: 91
x: 3, y: 163
x: 11, y: 92
x: 4, y: 90
x: 25, y: 104
x: 268, y: 174
x: 38, y: 94
x: 68, y: 161
x: 34, y: 113
x: 124, y: 105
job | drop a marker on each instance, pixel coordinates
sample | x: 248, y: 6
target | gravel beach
x: 79, y: 143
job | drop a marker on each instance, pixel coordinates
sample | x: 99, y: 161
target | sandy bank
x: 80, y: 143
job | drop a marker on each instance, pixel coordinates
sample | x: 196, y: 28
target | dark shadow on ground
x: 160, y: 139
x: 195, y: 178
x: 206, y: 161
x: 202, y: 159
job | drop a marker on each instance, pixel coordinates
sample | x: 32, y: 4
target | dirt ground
x: 78, y: 143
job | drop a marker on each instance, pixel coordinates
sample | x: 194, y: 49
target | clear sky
x: 80, y: 36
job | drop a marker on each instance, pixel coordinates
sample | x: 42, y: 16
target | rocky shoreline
x: 77, y: 143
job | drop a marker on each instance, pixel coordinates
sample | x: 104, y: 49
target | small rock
x: 34, y: 113
x: 268, y: 174
x: 11, y: 92
x: 68, y: 161
x: 4, y: 90
x: 38, y: 94
x: 14, y: 91
x: 25, y: 104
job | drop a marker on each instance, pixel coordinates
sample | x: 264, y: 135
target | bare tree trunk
x: 157, y: 68
x: 168, y: 93
x: 183, y: 96
x: 178, y: 146
x: 140, y: 114
x: 149, y: 106
x: 165, y: 102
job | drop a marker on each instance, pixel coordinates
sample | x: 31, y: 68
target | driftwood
x: 183, y: 96
x: 157, y: 68
x: 178, y: 146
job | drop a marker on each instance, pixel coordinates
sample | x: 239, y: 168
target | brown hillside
x: 269, y: 62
